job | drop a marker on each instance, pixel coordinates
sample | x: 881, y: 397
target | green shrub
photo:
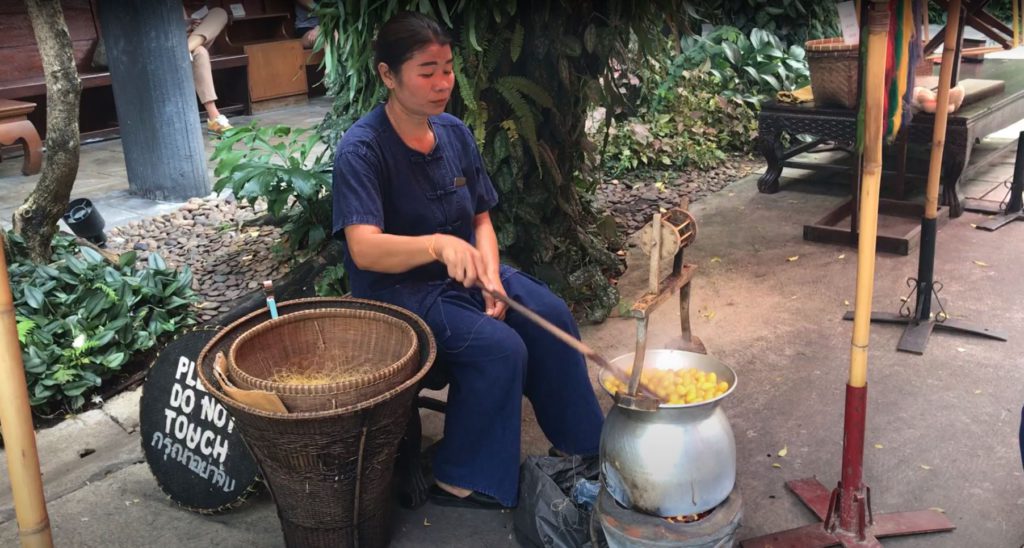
x: 690, y: 123
x: 793, y: 21
x: 288, y: 168
x: 81, y: 318
x: 751, y: 69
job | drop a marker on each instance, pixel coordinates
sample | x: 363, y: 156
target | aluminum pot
x: 677, y: 460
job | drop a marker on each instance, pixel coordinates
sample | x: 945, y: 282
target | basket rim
x: 831, y: 46
x: 324, y: 389
x: 233, y: 404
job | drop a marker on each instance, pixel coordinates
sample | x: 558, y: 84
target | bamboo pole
x: 931, y: 201
x: 874, y: 95
x: 16, y: 425
x: 1016, y: 22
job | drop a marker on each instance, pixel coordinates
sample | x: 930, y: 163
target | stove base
x: 613, y: 526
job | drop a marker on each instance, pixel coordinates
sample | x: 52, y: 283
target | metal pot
x: 678, y: 459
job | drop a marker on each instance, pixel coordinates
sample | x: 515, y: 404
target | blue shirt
x: 381, y: 181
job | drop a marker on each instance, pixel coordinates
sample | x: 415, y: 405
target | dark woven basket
x: 329, y: 471
x: 833, y: 65
x: 375, y: 351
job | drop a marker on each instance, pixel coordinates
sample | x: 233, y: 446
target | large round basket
x: 329, y: 471
x: 833, y: 67
x: 317, y: 360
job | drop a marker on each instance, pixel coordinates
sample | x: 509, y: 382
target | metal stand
x: 845, y: 513
x: 1011, y: 207
x: 920, y: 321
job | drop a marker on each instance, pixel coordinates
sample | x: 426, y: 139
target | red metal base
x: 845, y: 513
x: 816, y: 497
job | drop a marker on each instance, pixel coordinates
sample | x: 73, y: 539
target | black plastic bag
x: 547, y: 516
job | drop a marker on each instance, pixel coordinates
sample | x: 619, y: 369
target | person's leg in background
x: 199, y: 40
x: 202, y: 73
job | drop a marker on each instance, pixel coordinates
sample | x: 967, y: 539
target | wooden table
x: 839, y: 126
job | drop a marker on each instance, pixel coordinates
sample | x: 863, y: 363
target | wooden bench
x: 22, y: 76
x: 14, y: 127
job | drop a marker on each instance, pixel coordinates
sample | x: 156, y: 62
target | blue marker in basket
x: 268, y: 290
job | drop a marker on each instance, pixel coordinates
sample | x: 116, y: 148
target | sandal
x: 481, y: 501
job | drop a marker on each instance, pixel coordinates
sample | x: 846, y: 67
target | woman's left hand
x: 493, y: 307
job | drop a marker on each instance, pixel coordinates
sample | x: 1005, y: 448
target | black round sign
x: 190, y: 441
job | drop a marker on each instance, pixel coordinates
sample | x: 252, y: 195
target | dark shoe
x: 441, y: 497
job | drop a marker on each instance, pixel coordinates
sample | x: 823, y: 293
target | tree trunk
x: 36, y: 219
x: 155, y: 97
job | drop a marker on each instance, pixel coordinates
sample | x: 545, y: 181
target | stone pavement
x: 941, y: 432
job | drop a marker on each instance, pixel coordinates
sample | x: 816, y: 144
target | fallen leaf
x: 776, y: 465
x: 716, y: 259
x: 784, y: 451
x: 926, y: 467
x: 793, y: 258
x: 426, y: 523
x: 937, y: 509
x: 841, y: 256
x: 660, y: 186
x: 879, y: 446
x: 708, y: 315
x: 982, y: 264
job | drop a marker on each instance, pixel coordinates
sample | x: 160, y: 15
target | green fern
x: 25, y: 326
x: 530, y: 89
x: 493, y: 53
x: 516, y: 47
x: 466, y: 90
x: 526, y: 122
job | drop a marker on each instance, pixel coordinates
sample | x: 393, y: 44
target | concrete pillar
x: 155, y: 97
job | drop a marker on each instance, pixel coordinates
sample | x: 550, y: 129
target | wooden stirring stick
x: 568, y: 339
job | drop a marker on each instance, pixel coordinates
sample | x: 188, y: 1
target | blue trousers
x: 491, y: 364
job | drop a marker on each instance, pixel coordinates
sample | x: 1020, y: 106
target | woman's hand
x: 465, y: 263
x: 493, y: 307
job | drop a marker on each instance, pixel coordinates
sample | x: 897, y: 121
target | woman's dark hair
x: 405, y: 34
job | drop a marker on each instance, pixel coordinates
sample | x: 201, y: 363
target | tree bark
x: 36, y: 219
x: 155, y: 96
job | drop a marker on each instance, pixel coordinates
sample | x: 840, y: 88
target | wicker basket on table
x: 833, y: 65
x: 329, y: 471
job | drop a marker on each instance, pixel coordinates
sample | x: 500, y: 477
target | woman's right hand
x: 465, y: 263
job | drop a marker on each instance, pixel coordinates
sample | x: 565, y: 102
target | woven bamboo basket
x: 328, y: 471
x: 329, y: 358
x: 833, y: 67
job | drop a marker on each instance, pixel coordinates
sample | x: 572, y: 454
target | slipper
x: 441, y: 497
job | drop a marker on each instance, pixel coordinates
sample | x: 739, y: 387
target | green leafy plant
x: 287, y: 168
x: 749, y: 68
x: 793, y: 21
x: 80, y: 318
x: 689, y: 125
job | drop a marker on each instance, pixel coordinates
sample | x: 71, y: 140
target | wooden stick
x: 16, y: 424
x: 874, y: 94
x: 653, y: 280
x: 568, y: 339
x: 931, y: 200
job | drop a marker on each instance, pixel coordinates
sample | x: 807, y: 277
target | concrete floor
x: 941, y: 429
